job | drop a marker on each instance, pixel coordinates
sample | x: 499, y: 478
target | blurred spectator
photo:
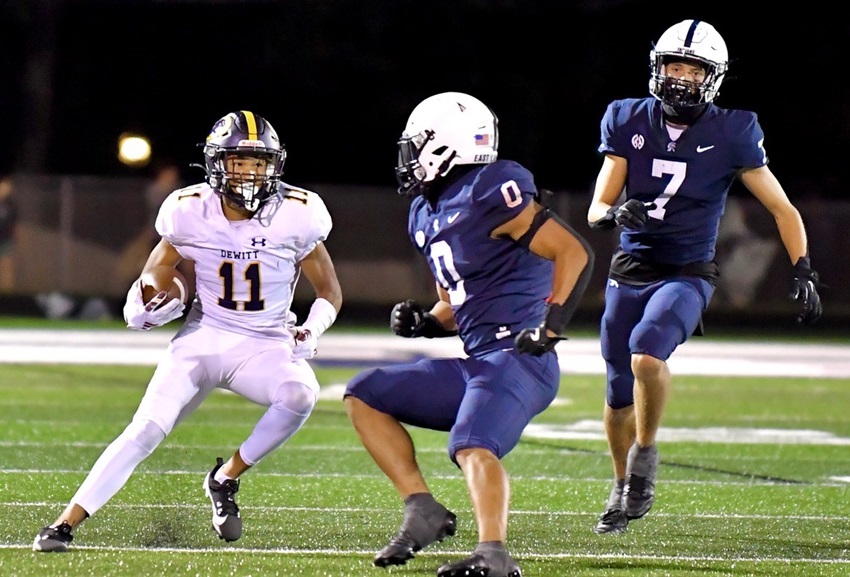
x: 8, y: 232
x: 746, y: 255
x: 165, y: 180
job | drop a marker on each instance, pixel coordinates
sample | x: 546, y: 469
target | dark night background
x: 338, y: 78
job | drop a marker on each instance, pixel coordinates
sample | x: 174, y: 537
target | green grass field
x: 320, y: 507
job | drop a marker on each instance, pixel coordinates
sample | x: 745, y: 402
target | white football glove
x: 306, y: 344
x: 143, y: 317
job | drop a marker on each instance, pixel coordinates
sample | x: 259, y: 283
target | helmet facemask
x: 245, y: 177
x: 412, y: 177
x: 681, y: 93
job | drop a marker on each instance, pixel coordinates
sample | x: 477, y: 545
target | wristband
x: 431, y: 328
x: 322, y: 315
x: 557, y: 317
x: 606, y: 222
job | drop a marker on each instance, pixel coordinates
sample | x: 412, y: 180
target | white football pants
x: 199, y: 360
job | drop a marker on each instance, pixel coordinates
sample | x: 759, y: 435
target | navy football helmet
x: 244, y: 134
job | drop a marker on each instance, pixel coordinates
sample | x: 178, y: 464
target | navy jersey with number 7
x: 496, y: 287
x: 688, y: 179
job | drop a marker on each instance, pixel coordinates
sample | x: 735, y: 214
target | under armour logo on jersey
x: 671, y: 147
x: 258, y: 241
x: 613, y: 283
x: 638, y: 141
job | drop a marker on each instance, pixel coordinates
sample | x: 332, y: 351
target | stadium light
x: 133, y: 149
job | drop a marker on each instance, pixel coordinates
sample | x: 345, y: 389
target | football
x: 164, y: 278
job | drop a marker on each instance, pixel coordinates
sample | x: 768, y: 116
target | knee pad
x: 146, y: 434
x: 295, y: 397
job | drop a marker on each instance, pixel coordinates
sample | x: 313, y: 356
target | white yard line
x: 576, y: 356
x: 456, y: 553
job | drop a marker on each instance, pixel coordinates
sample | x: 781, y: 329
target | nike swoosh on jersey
x: 453, y: 217
x: 704, y: 148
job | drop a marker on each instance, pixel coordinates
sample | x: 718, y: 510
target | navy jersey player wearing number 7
x: 676, y: 154
x: 509, y: 274
x: 250, y: 236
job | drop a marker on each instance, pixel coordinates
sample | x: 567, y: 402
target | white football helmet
x: 695, y: 41
x: 444, y: 131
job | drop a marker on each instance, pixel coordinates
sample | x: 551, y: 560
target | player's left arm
x: 319, y: 270
x: 764, y: 185
x: 548, y: 236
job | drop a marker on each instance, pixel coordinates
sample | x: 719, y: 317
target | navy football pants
x: 653, y: 319
x: 484, y: 402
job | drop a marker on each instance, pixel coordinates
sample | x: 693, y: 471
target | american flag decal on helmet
x: 482, y: 139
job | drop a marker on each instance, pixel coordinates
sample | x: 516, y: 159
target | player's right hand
x: 633, y: 214
x: 143, y: 317
x: 406, y: 318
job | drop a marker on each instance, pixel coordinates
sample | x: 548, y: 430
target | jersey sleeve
x: 172, y: 223
x: 318, y: 227
x: 608, y: 140
x: 502, y: 193
x: 748, y: 141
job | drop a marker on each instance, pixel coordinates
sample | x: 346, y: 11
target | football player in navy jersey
x: 509, y: 275
x: 676, y: 154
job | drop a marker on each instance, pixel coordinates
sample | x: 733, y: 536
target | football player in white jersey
x: 250, y: 236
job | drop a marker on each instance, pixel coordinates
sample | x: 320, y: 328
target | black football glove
x: 535, y: 341
x: 804, y: 288
x: 406, y: 318
x: 409, y: 320
x: 633, y: 213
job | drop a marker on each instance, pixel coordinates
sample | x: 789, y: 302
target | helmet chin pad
x: 683, y: 114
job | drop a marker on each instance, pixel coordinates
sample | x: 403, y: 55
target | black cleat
x: 53, y: 539
x: 613, y: 519
x: 425, y: 522
x: 488, y: 560
x: 225, y: 517
x: 639, y: 492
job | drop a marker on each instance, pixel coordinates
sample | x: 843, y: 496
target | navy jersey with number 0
x: 496, y: 287
x: 688, y: 179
